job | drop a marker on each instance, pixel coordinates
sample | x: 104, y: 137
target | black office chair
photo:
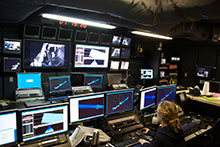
x: 181, y: 100
x: 215, y: 135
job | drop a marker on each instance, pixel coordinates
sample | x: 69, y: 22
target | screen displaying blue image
x: 8, y: 128
x: 86, y: 107
x: 116, y: 40
x: 94, y: 80
x: 167, y: 92
x: 126, y: 41
x: 59, y: 84
x: 44, y: 122
x: 148, y: 97
x: 115, y: 52
x: 125, y: 53
x: 119, y: 101
x: 29, y: 80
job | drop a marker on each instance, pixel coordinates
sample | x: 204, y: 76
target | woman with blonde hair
x: 170, y: 134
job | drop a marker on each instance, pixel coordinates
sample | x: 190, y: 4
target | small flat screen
x: 90, y: 56
x: 86, y: 107
x: 125, y: 53
x: 203, y: 72
x: 29, y: 80
x: 114, y: 65
x: 81, y: 36
x: 120, y: 101
x: 126, y: 41
x: 12, y: 46
x: 124, y: 65
x: 116, y: 40
x: 115, y: 52
x: 59, y: 84
x: 93, y: 37
x: 105, y: 39
x: 38, y: 123
x: 94, y: 80
x: 12, y: 64
x: 146, y: 74
x: 148, y: 97
x: 167, y: 92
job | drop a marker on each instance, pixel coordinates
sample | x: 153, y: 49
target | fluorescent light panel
x: 151, y: 35
x: 76, y: 20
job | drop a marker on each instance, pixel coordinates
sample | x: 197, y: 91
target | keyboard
x: 127, y: 142
x: 35, y: 103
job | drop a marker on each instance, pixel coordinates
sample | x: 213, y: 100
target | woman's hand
x: 142, y: 141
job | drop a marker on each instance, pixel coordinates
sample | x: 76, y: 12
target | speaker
x: 32, y: 31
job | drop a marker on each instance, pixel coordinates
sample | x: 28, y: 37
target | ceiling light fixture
x: 76, y: 20
x: 151, y: 35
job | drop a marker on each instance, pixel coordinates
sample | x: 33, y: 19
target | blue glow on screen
x: 29, y: 80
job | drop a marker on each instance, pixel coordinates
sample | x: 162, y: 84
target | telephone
x: 194, y: 91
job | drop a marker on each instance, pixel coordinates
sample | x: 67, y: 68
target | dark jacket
x: 165, y: 137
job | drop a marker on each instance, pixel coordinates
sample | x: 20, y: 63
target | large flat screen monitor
x: 146, y: 74
x: 148, y: 97
x: 59, y: 84
x: 38, y: 54
x: 42, y: 122
x: 11, y: 64
x: 95, y: 81
x: 86, y: 107
x: 91, y: 56
x: 8, y: 128
x: 119, y: 101
x: 12, y: 46
x: 28, y: 80
x: 166, y: 92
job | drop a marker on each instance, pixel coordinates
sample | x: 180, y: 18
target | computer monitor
x: 166, y: 92
x: 12, y: 46
x: 86, y: 107
x: 119, y: 101
x: 44, y: 121
x: 124, y: 65
x: 90, y: 56
x: 114, y: 65
x: 77, y: 79
x: 59, y: 84
x: 146, y: 74
x: 11, y: 64
x: 46, y: 54
x: 147, y: 97
x: 125, y: 53
x: 93, y: 37
x: 8, y: 127
x: 126, y: 41
x: 204, y: 72
x: 116, y: 40
x: 114, y: 78
x: 105, y: 39
x: 81, y: 36
x: 28, y: 80
x: 95, y: 81
x: 115, y: 52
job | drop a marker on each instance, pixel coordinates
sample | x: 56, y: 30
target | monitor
x: 162, y: 74
x: 105, y: 39
x: 115, y: 52
x: 166, y: 92
x: 59, y: 84
x: 146, y: 74
x: 114, y: 78
x: 119, y: 101
x: 147, y: 97
x: 77, y: 79
x: 114, y: 65
x: 203, y: 72
x: 126, y: 41
x: 12, y: 46
x: 29, y: 80
x: 90, y: 56
x: 32, y: 31
x: 49, y: 32
x: 93, y: 37
x: 86, y: 107
x: 8, y: 127
x: 65, y: 34
x: 95, y: 81
x: 81, y: 36
x: 44, y: 121
x: 11, y: 64
x: 46, y: 54
x: 116, y: 40
x: 125, y: 53
x: 163, y: 61
x: 124, y: 65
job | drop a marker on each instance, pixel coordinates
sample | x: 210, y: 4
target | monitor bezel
x: 49, y: 81
x: 12, y: 52
x: 4, y: 70
x: 128, y: 44
x: 64, y: 39
x: 42, y: 107
x: 105, y: 43
x: 47, y: 37
x: 93, y: 42
x: 46, y: 67
x: 17, y: 125
x: 28, y: 73
x: 87, y: 95
x: 93, y: 75
x: 92, y: 67
x: 164, y: 86
x: 155, y: 101
x: 119, y: 91
x: 80, y: 41
x: 32, y: 36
